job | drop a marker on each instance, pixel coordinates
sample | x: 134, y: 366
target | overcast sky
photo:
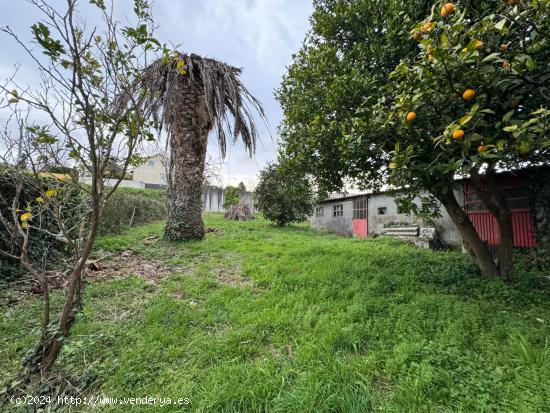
x: 257, y: 35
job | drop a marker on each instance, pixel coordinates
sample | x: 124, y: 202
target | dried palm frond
x: 167, y: 80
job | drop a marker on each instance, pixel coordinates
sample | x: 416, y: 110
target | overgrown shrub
x: 231, y: 197
x: 41, y: 245
x: 284, y: 195
x: 128, y: 206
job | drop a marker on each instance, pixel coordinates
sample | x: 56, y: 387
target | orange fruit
x: 411, y: 117
x: 469, y: 94
x: 417, y: 36
x: 514, y: 103
x: 447, y: 9
x: 426, y: 27
x: 506, y: 64
x: 482, y: 148
x: 478, y: 45
x: 503, y: 47
x: 512, y: 2
x: 458, y: 134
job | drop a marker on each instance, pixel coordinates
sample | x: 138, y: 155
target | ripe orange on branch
x: 469, y: 94
x: 482, y: 148
x: 447, y: 9
x: 478, y: 45
x: 411, y: 117
x: 426, y: 27
x: 458, y: 134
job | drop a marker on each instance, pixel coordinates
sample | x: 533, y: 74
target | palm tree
x: 192, y: 95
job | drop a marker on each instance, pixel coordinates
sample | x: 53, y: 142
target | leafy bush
x: 231, y: 197
x: 284, y: 195
x: 138, y: 206
x: 128, y: 206
x: 40, y: 243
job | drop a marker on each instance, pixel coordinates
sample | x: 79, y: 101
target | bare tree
x: 84, y: 71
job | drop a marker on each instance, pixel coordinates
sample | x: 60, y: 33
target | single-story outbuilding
x: 366, y: 214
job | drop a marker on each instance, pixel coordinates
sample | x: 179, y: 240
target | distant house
x: 152, y: 172
x: 366, y: 214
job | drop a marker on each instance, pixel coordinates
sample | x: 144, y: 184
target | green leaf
x: 465, y: 119
x: 508, y: 116
x: 511, y: 128
x: 492, y: 57
x: 500, y: 25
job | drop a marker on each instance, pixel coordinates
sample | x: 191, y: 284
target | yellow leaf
x: 26, y: 217
x: 180, y: 66
x: 39, y: 199
x: 50, y: 193
x: 24, y: 225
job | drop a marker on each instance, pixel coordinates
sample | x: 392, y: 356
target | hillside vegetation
x: 264, y: 319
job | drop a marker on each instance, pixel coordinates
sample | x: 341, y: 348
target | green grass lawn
x: 263, y: 319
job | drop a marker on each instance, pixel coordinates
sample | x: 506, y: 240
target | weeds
x: 264, y: 319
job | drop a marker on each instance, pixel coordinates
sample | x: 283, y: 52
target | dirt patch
x: 382, y: 383
x: 125, y: 264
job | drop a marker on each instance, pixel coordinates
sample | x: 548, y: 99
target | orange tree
x: 474, y: 100
x: 375, y: 95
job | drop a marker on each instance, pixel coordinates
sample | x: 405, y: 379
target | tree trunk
x: 505, y: 249
x: 488, y: 190
x: 188, y: 143
x: 477, y: 248
x: 52, y: 346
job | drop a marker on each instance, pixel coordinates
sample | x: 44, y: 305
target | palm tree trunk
x: 188, y: 143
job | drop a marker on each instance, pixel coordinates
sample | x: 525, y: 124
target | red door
x: 359, y: 223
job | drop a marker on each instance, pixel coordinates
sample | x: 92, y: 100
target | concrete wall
x: 444, y: 226
x: 123, y: 184
x: 343, y: 225
x: 151, y: 172
x: 213, y: 197
x: 328, y: 222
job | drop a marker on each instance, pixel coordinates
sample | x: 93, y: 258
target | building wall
x: 338, y: 225
x: 111, y: 182
x: 151, y: 172
x: 343, y: 225
x: 444, y: 225
x: 213, y: 198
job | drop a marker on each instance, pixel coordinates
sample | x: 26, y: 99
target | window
x: 360, y: 208
x: 382, y: 210
x: 320, y: 212
x: 338, y: 210
x: 151, y: 163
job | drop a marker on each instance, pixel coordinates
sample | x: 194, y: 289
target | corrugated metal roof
x: 341, y: 197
